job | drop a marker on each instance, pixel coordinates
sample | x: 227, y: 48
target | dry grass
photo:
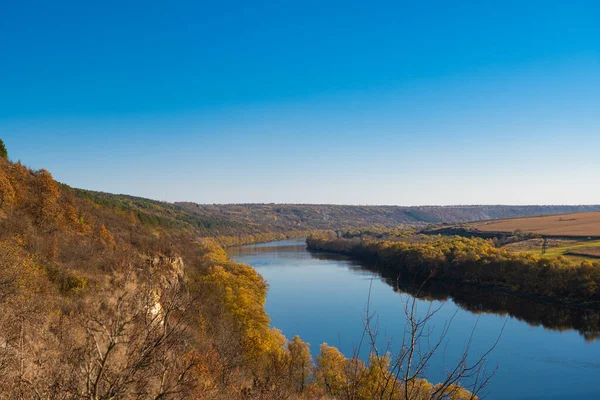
x: 574, y: 225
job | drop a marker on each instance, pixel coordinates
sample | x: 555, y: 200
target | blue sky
x: 431, y: 102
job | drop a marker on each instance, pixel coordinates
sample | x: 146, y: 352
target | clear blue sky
x: 356, y: 102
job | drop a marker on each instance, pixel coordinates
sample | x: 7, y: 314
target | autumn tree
x: 330, y: 371
x: 69, y: 212
x: 106, y: 237
x: 47, y: 194
x: 7, y: 192
x: 301, y: 364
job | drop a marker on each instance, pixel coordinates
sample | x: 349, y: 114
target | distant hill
x: 319, y: 216
x: 253, y: 219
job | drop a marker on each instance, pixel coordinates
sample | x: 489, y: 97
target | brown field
x: 593, y: 252
x: 572, y: 225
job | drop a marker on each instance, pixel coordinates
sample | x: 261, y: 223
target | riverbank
x: 242, y: 240
x: 477, y: 263
x: 321, y: 297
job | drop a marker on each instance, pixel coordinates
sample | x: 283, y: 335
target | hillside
x: 116, y: 297
x: 247, y: 223
x: 313, y: 216
x: 226, y: 228
x: 113, y: 296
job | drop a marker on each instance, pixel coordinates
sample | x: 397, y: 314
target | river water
x: 543, y: 352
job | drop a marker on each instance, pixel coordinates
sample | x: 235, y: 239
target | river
x: 544, y: 351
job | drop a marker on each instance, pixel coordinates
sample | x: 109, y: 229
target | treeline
x: 99, y: 304
x: 475, y: 261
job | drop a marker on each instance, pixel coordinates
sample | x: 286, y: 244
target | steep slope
x: 107, y: 297
x: 99, y: 303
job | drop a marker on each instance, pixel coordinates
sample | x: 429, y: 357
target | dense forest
x: 112, y: 297
x: 474, y: 261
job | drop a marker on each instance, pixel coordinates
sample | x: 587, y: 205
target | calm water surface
x: 545, y: 352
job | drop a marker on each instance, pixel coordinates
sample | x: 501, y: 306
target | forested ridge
x: 295, y: 220
x: 327, y: 216
x: 113, y: 297
x: 227, y: 230
x: 233, y: 224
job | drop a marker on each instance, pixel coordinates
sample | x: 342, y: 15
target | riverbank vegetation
x: 480, y: 299
x: 127, y: 299
x: 474, y: 261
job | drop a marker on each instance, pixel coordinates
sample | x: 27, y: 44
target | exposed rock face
x: 167, y: 273
x: 168, y: 270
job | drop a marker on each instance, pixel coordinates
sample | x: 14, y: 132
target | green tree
x: 3, y: 151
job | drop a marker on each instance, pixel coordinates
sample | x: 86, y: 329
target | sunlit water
x: 322, y: 298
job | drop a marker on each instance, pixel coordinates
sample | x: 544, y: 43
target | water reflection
x: 488, y: 300
x: 322, y: 298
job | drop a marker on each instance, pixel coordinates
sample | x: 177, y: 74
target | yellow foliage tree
x: 301, y: 365
x: 7, y: 192
x: 242, y: 293
x: 47, y: 194
x: 330, y: 372
x: 106, y: 237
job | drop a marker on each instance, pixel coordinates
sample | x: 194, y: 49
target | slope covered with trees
x: 233, y: 224
x: 110, y: 297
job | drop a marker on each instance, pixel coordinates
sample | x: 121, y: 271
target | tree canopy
x: 3, y: 151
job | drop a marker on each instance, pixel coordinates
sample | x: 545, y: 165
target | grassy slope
x: 557, y: 247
